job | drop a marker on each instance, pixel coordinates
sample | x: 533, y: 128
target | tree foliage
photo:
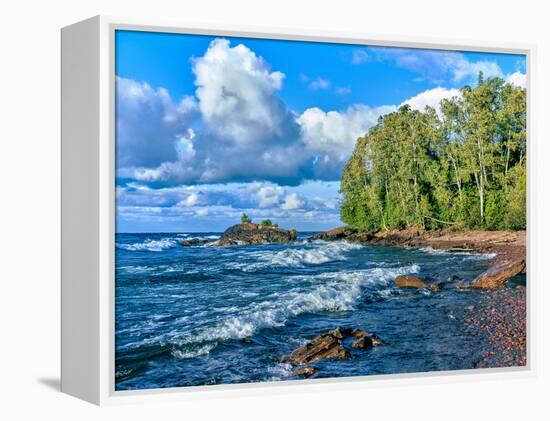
x: 463, y: 167
x: 266, y: 223
x: 245, y: 219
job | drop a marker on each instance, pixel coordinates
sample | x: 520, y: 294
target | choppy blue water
x: 209, y: 315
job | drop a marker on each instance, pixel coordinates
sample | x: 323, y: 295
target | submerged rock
x: 408, y: 281
x: 249, y: 233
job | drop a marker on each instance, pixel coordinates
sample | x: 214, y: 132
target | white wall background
x: 29, y: 209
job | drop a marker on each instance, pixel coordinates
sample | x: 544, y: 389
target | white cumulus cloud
x: 431, y: 98
x: 518, y: 79
x: 334, y: 133
x: 292, y: 201
x: 236, y: 91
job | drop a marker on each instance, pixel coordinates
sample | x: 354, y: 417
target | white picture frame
x: 88, y: 217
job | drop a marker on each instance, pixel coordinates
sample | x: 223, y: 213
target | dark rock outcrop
x: 249, y: 233
x: 330, y: 345
x: 193, y: 242
x: 334, y: 234
x: 408, y: 281
x: 322, y: 347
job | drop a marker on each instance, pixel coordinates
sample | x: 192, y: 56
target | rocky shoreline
x: 501, y: 317
x: 509, y: 248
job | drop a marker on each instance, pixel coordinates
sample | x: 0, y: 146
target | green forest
x: 462, y: 167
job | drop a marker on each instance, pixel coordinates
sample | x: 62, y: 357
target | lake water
x: 203, y: 315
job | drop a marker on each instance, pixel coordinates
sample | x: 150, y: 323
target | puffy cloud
x: 319, y: 83
x: 236, y: 91
x: 190, y: 200
x: 239, y: 130
x: 293, y: 201
x: 333, y: 133
x: 148, y: 123
x: 431, y: 98
x: 269, y: 196
x: 518, y: 79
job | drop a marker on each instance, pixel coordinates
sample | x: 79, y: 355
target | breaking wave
x: 165, y: 243
x: 321, y: 252
x: 149, y: 245
x: 335, y: 291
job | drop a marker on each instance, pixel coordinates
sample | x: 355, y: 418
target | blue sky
x: 210, y: 127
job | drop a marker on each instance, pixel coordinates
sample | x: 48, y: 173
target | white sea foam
x: 165, y: 243
x: 482, y: 256
x: 466, y: 254
x: 312, y: 254
x: 192, y: 353
x: 150, y: 245
x: 332, y: 291
x: 136, y: 269
x: 280, y: 371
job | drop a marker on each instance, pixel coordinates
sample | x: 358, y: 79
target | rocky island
x: 250, y: 233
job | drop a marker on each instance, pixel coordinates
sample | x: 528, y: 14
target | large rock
x: 497, y: 275
x: 334, y: 234
x: 249, y: 233
x: 320, y: 348
x: 409, y: 281
x: 330, y: 345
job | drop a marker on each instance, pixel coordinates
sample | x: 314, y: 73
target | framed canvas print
x: 245, y: 208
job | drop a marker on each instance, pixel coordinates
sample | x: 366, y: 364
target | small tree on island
x: 266, y: 223
x: 245, y: 219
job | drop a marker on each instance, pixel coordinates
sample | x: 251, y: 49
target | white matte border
x: 108, y: 25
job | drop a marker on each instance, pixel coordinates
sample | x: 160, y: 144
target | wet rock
x: 305, y: 371
x: 340, y: 332
x: 320, y: 348
x: 409, y: 282
x: 376, y: 340
x: 453, y: 278
x: 330, y: 345
x: 497, y: 275
x: 362, y: 343
x: 249, y: 233
x: 193, y: 242
x: 334, y: 234
x: 436, y: 287
x: 358, y: 333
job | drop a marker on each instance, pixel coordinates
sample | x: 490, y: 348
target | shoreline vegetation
x: 462, y: 166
